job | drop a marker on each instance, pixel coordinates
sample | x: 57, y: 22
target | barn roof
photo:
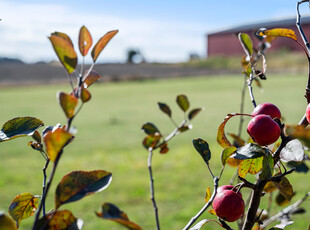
x: 265, y: 24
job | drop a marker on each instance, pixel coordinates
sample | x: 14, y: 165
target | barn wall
x: 228, y: 43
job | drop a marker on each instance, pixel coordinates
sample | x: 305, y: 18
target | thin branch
x: 204, y: 208
x: 152, y: 189
x: 250, y: 80
x: 44, y: 184
x: 298, y: 24
x: 287, y: 211
x: 242, y: 105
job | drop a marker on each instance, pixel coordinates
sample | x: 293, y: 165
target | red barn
x: 225, y: 42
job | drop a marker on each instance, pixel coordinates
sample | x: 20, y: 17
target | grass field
x: 109, y: 138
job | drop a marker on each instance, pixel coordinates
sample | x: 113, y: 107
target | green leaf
x: 75, y: 185
x: 193, y: 113
x: 150, y: 141
x: 85, y: 40
x: 60, y: 220
x: 281, y: 200
x: 250, y: 151
x: 202, y: 147
x: 221, y: 137
x: 267, y: 167
x: 183, y: 102
x: 55, y: 141
x: 111, y: 212
x: 285, y: 188
x: 165, y: 108
x: 91, y: 78
x: 23, y: 206
x: 64, y: 50
x: 68, y: 102
x: 18, y: 127
x: 150, y: 128
x: 226, y: 153
x: 252, y: 166
x: 6, y: 222
x: 101, y: 44
x: 246, y: 43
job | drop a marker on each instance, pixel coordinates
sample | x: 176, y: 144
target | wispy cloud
x: 25, y: 27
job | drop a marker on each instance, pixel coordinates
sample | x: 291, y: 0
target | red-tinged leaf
x: 78, y: 184
x: 221, y: 137
x: 183, y: 102
x: 279, y: 32
x: 185, y: 128
x: 252, y: 166
x: 164, y: 148
x: 208, y: 194
x: 23, y: 206
x: 59, y: 220
x: 91, y: 78
x: 246, y: 43
x: 226, y: 153
x: 55, y: 141
x: 18, y: 127
x: 63, y: 36
x: 150, y: 141
x: 285, y: 188
x: 85, y: 40
x: 6, y: 222
x: 193, y: 113
x: 111, y: 212
x: 68, y: 102
x: 164, y: 108
x: 64, y: 51
x: 101, y: 44
x: 36, y: 146
x: 85, y: 95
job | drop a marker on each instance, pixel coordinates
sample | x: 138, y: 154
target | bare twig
x: 242, y: 105
x: 285, y: 212
x: 204, y: 208
x: 152, y: 189
x: 44, y: 184
x: 250, y: 80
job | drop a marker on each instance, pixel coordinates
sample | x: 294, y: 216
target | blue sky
x: 163, y: 30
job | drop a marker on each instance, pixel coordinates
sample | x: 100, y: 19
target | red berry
x: 308, y: 113
x: 268, y: 109
x: 228, y: 205
x: 263, y: 129
x: 228, y: 187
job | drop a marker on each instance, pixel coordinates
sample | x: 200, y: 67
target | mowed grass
x: 109, y: 138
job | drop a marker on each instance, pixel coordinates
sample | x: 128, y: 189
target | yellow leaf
x: 279, y: 32
x: 208, y: 194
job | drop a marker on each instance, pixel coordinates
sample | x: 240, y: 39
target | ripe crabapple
x: 308, y: 113
x: 263, y: 129
x: 268, y: 109
x: 228, y: 187
x: 228, y: 205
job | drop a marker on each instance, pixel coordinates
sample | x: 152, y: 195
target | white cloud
x: 25, y: 27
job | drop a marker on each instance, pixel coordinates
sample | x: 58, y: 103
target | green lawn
x: 109, y: 138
